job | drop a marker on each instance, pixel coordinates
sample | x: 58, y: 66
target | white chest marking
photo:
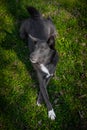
x: 45, y: 70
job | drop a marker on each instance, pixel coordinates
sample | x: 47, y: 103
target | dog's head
x: 42, y: 49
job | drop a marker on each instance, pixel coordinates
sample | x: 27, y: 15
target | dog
x: 40, y: 33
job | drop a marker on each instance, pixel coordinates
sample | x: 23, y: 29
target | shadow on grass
x: 13, y: 111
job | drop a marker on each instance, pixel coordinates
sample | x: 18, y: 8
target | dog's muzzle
x: 33, y: 60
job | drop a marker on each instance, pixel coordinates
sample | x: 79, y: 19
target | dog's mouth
x: 33, y: 60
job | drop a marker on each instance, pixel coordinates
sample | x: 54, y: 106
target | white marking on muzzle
x: 33, y: 61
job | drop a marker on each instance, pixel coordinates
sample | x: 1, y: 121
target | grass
x: 19, y: 86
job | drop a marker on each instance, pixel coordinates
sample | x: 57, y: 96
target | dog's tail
x: 34, y: 13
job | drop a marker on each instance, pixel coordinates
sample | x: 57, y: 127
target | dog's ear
x: 51, y: 42
x: 34, y: 39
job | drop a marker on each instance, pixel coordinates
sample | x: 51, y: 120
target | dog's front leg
x: 40, y: 97
x: 44, y: 93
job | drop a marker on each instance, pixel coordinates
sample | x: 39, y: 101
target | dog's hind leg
x: 40, y: 99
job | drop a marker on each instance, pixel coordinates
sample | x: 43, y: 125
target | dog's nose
x: 32, y: 56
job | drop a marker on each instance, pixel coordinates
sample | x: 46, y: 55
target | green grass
x: 19, y: 86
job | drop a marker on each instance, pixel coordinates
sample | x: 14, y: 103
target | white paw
x: 38, y: 104
x: 51, y: 114
x: 49, y: 75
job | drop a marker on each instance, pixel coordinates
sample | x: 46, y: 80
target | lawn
x: 18, y: 84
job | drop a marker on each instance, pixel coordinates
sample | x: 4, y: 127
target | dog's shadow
x: 9, y: 109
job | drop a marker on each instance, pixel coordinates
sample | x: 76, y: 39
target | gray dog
x: 41, y: 33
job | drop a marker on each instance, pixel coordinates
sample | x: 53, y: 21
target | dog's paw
x: 51, y: 114
x: 49, y: 75
x: 38, y: 104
